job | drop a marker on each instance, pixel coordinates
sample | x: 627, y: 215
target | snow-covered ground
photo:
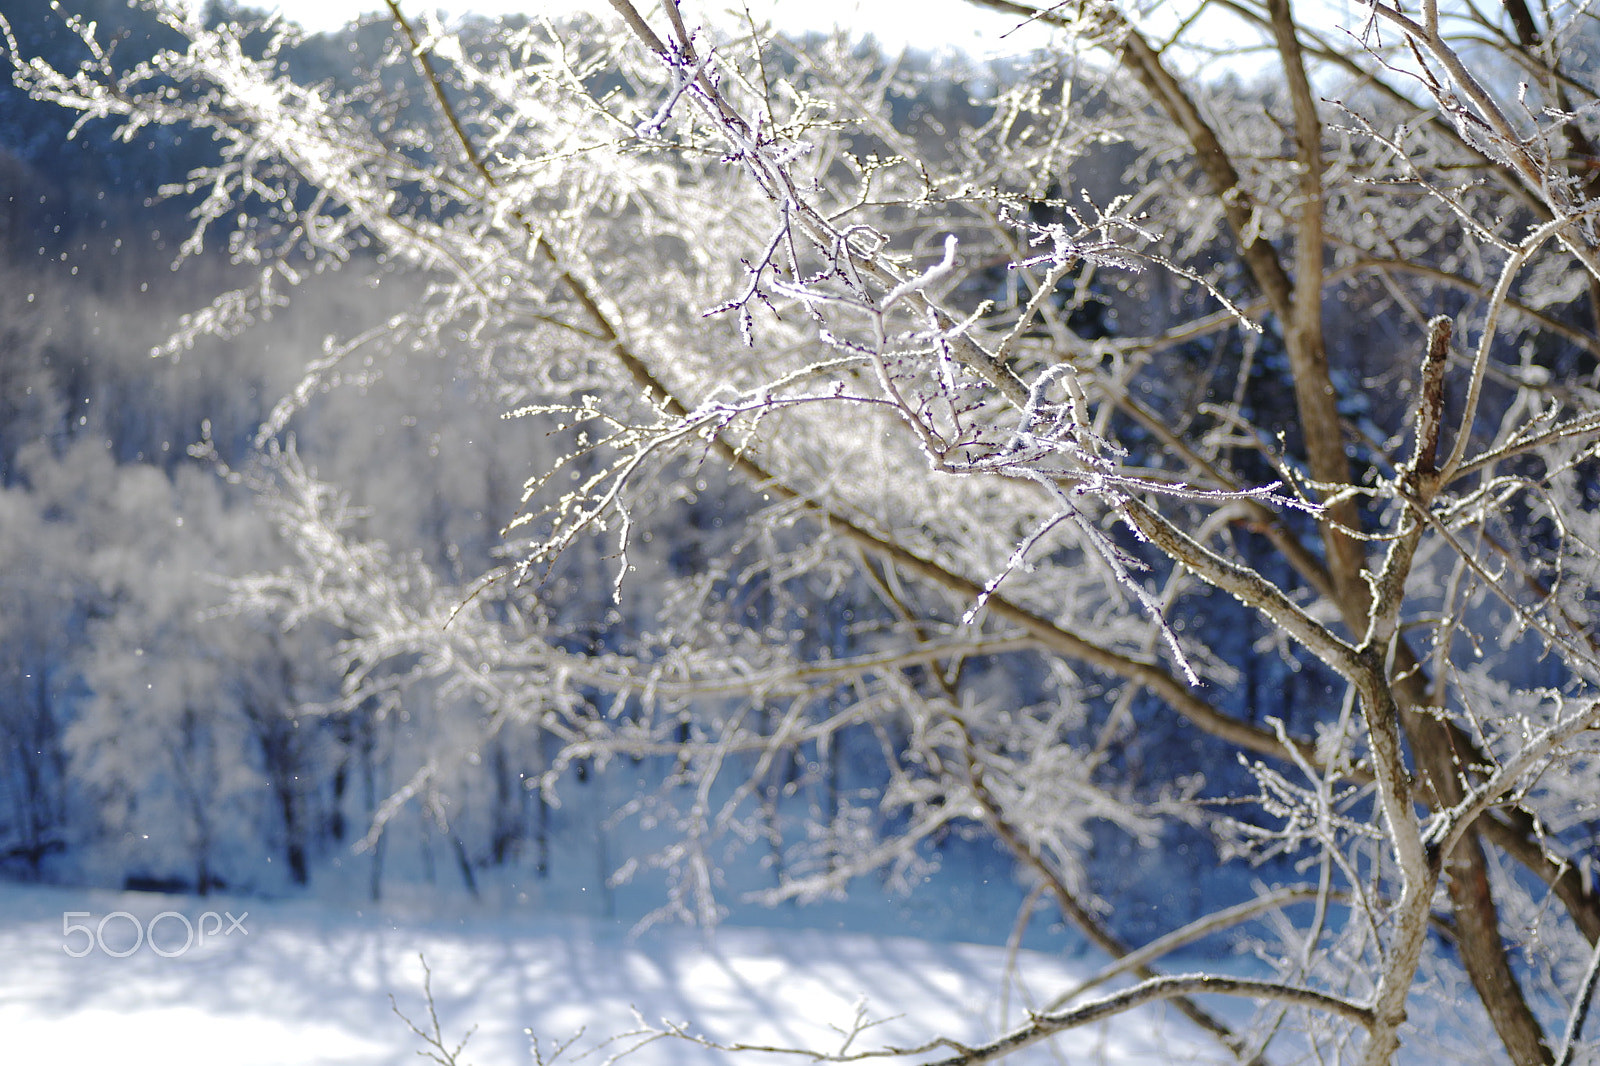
x: 307, y: 984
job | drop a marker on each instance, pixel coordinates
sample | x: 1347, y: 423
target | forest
x: 651, y: 465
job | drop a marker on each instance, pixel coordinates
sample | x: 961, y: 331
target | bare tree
x: 1351, y: 388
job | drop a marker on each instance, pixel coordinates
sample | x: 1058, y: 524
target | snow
x: 309, y: 984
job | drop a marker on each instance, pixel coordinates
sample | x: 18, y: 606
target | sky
x: 927, y: 24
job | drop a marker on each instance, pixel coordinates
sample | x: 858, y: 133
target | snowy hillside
x: 309, y: 985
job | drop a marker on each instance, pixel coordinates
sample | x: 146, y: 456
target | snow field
x: 309, y: 985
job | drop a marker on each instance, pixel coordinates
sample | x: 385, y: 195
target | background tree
x: 694, y: 252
